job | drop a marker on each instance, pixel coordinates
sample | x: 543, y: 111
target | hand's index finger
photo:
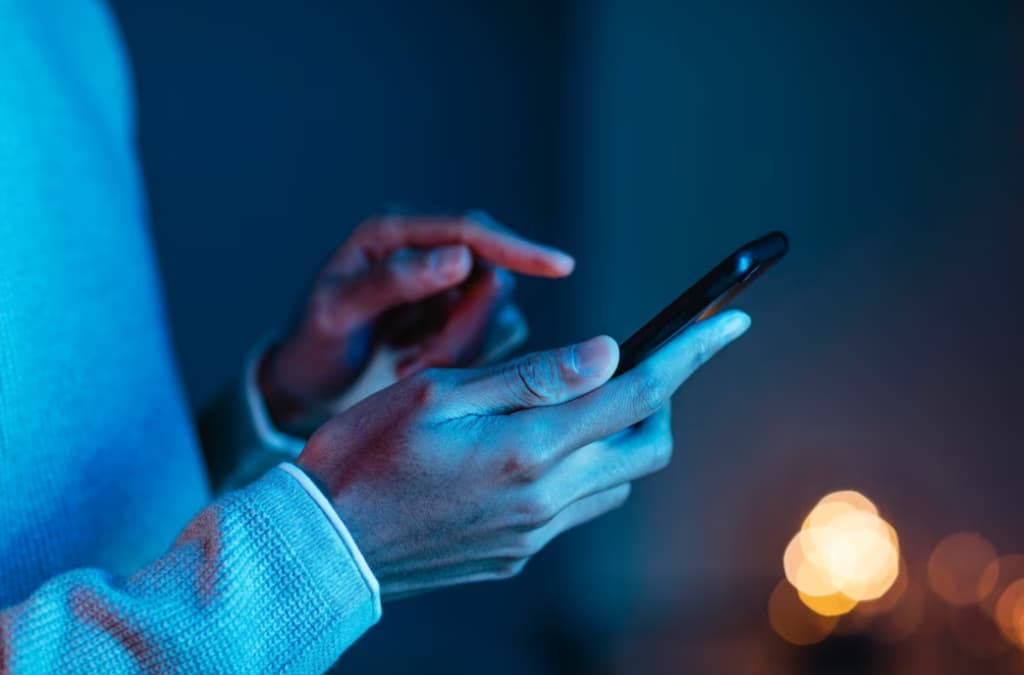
x: 380, y: 237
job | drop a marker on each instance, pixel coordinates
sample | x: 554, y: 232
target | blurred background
x: 650, y: 138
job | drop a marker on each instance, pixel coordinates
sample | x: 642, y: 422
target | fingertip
x: 562, y: 263
x: 698, y: 343
x: 543, y: 261
x: 451, y: 264
x: 733, y: 323
x: 596, y: 358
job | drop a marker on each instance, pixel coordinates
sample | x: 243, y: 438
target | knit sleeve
x: 259, y: 581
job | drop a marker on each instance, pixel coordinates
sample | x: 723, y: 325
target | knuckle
x: 463, y: 228
x: 522, y: 466
x: 485, y: 220
x: 523, y: 546
x: 648, y: 396
x: 535, y: 379
x: 424, y: 387
x: 536, y: 510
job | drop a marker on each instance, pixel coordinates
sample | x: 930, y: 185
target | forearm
x: 259, y: 581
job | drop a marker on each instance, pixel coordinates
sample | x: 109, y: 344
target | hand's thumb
x: 542, y: 378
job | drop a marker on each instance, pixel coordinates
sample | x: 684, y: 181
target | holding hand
x: 452, y: 476
x: 435, y: 284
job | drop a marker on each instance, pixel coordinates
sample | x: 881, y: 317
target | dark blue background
x: 649, y: 138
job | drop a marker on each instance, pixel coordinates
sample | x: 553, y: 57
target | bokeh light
x: 1009, y: 613
x: 836, y: 604
x: 960, y: 568
x: 891, y: 598
x: 999, y: 574
x: 793, y: 621
x: 850, y: 498
x: 844, y: 553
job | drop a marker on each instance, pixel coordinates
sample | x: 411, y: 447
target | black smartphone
x: 705, y: 298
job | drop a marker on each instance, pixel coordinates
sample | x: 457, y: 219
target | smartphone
x: 705, y: 298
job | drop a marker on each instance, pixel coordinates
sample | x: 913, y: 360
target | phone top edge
x: 770, y: 247
x: 715, y: 288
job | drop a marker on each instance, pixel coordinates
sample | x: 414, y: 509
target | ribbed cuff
x: 259, y: 419
x: 327, y: 558
x: 343, y: 533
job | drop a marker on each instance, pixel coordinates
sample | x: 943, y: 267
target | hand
x: 452, y: 476
x: 437, y: 285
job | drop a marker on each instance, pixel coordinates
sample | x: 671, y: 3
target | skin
x: 394, y: 276
x: 454, y: 475
x: 458, y: 475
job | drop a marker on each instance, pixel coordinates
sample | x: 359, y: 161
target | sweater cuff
x: 346, y: 537
x: 262, y: 426
x: 331, y: 563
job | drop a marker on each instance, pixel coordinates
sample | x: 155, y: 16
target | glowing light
x: 1005, y: 603
x: 803, y: 572
x: 891, y: 598
x: 1009, y: 614
x: 836, y: 604
x: 844, y: 554
x: 999, y: 574
x: 959, y: 569
x: 793, y: 621
x: 850, y: 498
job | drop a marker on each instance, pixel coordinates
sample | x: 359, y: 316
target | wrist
x: 284, y: 406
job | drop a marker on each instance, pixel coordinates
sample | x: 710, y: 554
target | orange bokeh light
x: 891, y: 598
x: 843, y: 554
x: 1009, y: 613
x: 850, y: 498
x: 793, y: 621
x: 836, y: 604
x: 960, y: 568
x: 999, y: 574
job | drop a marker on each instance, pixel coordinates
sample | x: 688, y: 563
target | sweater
x: 114, y: 555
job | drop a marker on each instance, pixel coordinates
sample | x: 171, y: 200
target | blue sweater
x: 113, y: 555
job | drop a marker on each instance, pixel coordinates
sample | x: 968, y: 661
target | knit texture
x: 100, y: 470
x: 246, y: 588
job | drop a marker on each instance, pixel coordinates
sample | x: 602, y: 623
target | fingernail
x: 736, y: 324
x: 447, y: 261
x: 589, y: 357
x: 565, y: 261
